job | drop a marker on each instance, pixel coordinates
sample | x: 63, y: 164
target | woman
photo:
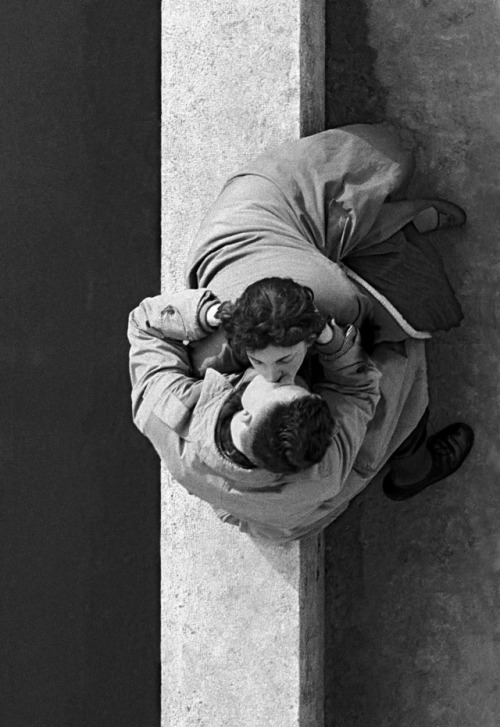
x: 328, y: 211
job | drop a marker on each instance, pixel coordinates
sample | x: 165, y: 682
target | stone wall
x: 242, y: 623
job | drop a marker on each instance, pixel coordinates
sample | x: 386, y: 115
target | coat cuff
x: 330, y: 351
x: 205, y: 306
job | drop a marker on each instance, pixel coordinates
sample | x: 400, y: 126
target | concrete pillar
x: 242, y: 623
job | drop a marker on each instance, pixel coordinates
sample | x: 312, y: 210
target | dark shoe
x: 438, y: 215
x: 448, y: 449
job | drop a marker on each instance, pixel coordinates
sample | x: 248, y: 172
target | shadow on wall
x: 353, y: 93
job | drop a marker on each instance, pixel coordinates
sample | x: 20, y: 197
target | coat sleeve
x: 350, y: 385
x: 160, y: 368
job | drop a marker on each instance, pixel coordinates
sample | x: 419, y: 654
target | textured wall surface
x: 241, y: 623
x: 80, y: 208
x: 412, y: 589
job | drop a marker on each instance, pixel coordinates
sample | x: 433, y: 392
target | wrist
x: 343, y: 342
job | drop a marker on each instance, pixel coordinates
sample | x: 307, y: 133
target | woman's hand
x: 327, y: 334
x: 332, y: 332
x: 212, y: 320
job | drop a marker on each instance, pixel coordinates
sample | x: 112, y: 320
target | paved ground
x: 413, y: 603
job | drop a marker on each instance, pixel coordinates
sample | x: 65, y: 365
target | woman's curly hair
x: 272, y: 311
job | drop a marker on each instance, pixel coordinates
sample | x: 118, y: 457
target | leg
x: 420, y: 461
x: 412, y: 459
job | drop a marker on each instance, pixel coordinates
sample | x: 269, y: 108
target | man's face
x: 278, y: 364
x: 259, y: 396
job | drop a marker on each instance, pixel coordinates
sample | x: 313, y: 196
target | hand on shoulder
x: 212, y: 319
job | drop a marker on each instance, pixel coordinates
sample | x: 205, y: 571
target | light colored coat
x: 310, y: 208
x: 376, y: 403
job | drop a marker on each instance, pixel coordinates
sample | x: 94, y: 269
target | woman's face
x: 278, y: 363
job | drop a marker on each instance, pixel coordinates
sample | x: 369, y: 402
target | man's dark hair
x: 294, y: 435
x: 272, y: 311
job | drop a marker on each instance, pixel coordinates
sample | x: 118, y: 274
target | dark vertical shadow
x: 80, y: 203
x: 353, y: 93
x: 412, y: 594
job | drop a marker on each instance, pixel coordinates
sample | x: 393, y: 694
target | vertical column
x: 242, y: 638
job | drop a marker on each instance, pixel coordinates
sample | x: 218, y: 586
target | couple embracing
x: 292, y: 369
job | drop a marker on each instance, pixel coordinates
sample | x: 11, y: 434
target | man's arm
x: 350, y: 385
x: 160, y: 368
